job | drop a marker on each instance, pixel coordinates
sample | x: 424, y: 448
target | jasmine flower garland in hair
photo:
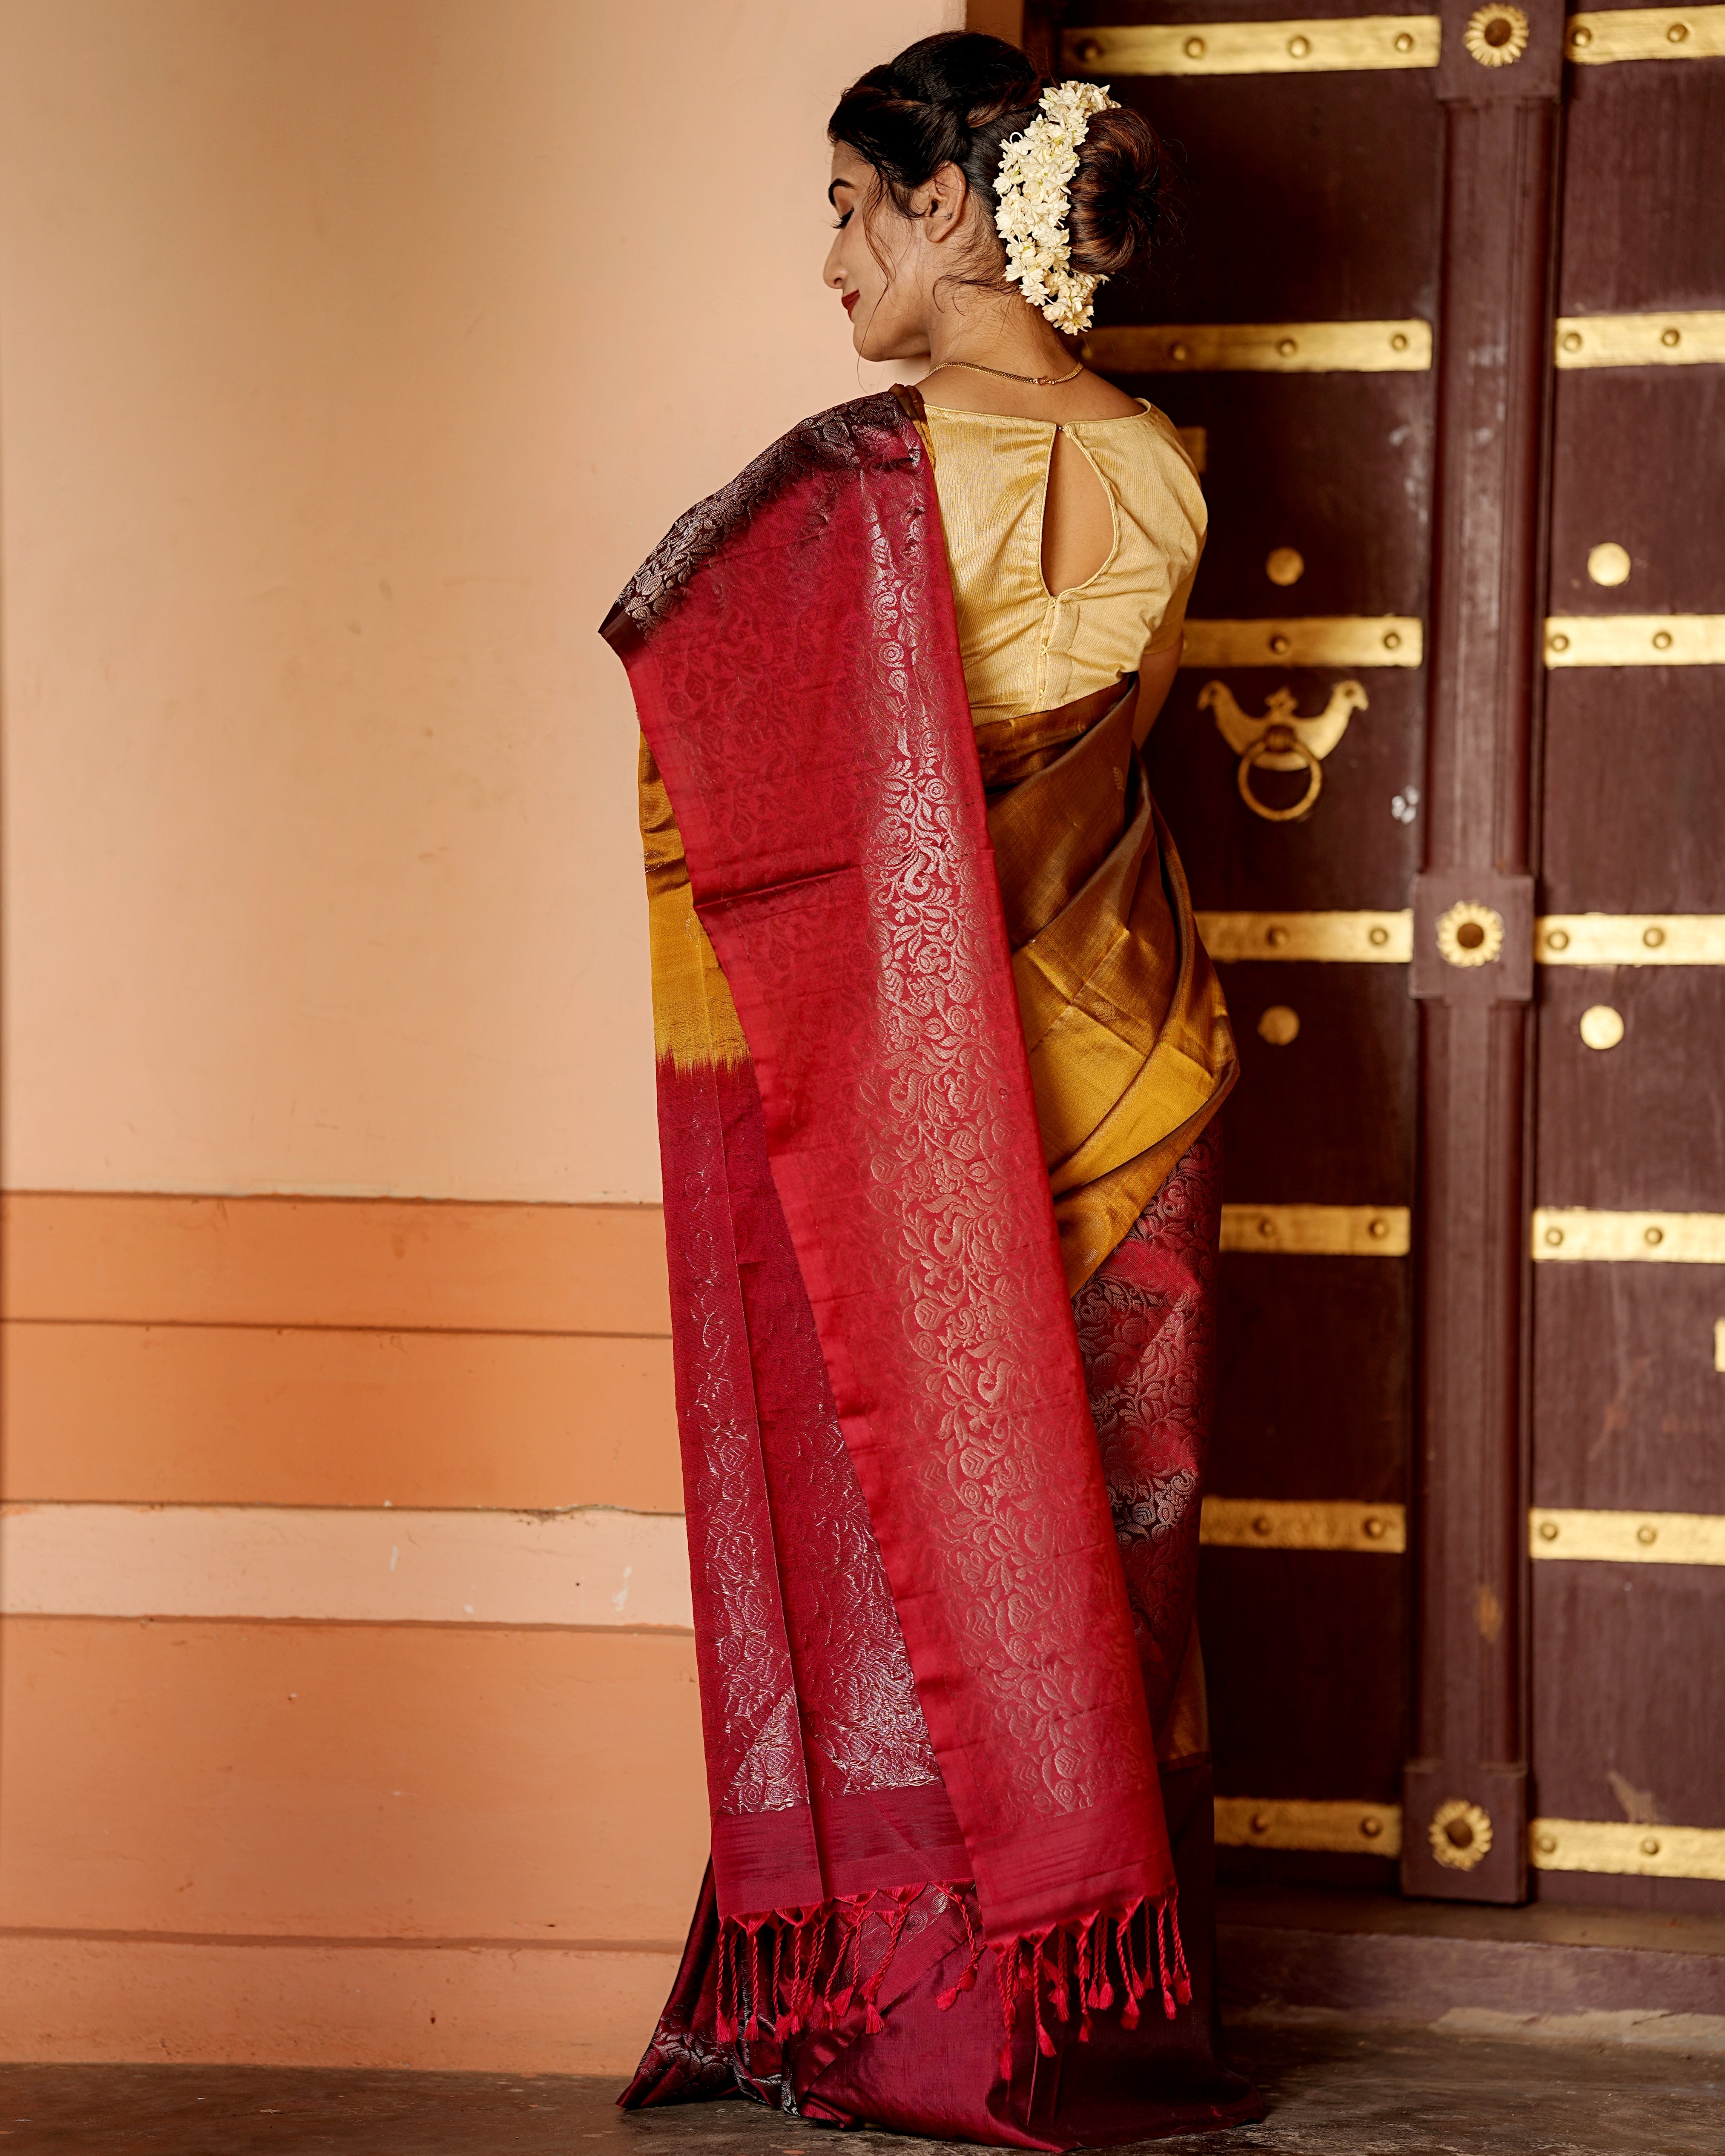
x: 1034, y: 192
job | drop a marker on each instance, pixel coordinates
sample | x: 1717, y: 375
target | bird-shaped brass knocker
x: 1280, y: 740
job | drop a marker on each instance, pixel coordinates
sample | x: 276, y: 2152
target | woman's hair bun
x: 955, y: 99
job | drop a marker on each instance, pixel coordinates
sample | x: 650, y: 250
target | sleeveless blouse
x: 1026, y: 649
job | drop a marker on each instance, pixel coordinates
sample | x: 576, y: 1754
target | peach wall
x: 353, y: 353
x: 355, y: 350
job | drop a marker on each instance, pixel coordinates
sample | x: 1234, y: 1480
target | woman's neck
x: 1013, y: 345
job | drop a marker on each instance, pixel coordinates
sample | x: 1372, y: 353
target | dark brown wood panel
x: 1629, y: 1408
x: 1313, y: 1397
x: 1635, y: 777
x: 1644, y: 196
x: 1631, y: 1666
x: 1293, y: 1135
x: 1316, y: 1641
x: 1641, y: 1125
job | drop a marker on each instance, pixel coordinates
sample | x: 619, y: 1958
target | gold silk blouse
x: 1026, y: 649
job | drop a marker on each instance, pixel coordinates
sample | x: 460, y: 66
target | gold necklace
x: 1039, y: 381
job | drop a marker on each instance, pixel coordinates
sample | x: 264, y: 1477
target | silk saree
x: 938, y: 1053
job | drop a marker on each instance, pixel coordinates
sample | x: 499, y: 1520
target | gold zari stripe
x: 1575, y: 1234
x: 1384, y: 639
x: 1398, y: 347
x: 1636, y: 639
x: 1384, y: 939
x: 1275, y: 1523
x: 1645, y: 33
x: 1623, y: 939
x: 1626, y: 1538
x: 1318, y: 1231
x: 1681, y: 339
x: 1325, y: 44
x: 1652, y: 1852
x: 1288, y: 1823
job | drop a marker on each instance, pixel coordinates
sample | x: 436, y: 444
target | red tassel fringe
x: 801, y: 1968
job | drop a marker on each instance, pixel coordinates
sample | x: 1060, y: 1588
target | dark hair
x: 955, y: 99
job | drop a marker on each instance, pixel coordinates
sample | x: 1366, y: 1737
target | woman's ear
x: 939, y: 204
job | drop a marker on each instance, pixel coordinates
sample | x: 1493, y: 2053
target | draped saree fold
x: 942, y: 1533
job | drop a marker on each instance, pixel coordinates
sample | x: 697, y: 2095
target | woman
x: 938, y: 1054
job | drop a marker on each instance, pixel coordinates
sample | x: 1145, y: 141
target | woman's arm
x: 1156, y: 677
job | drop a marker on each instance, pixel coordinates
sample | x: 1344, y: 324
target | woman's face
x: 884, y: 269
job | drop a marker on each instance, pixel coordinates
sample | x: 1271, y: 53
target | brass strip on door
x: 1681, y: 339
x: 1626, y: 939
x: 1645, y: 33
x: 1577, y: 1234
x: 1389, y: 347
x: 1595, y: 1537
x: 1293, y: 1822
x: 1318, y: 1231
x: 1636, y: 639
x: 1384, y: 639
x: 1384, y: 939
x: 1323, y: 45
x: 1277, y: 1523
x: 1621, y: 1845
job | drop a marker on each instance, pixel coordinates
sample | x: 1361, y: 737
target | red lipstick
x: 851, y: 300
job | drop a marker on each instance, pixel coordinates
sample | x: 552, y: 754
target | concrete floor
x: 1336, y: 2088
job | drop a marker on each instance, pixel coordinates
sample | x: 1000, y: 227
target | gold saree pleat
x: 694, y: 1021
x: 1131, y: 1050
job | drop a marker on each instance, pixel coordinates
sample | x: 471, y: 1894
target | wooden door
x: 1365, y: 334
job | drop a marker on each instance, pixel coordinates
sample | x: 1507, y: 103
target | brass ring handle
x: 1280, y: 740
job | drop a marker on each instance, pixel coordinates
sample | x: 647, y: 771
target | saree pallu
x: 931, y: 1682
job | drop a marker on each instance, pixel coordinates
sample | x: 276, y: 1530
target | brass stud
x: 1392, y: 640
x: 1650, y: 1845
x: 1090, y: 51
x: 1275, y: 938
x: 1261, y: 1525
x: 1580, y: 35
x: 1670, y: 339
x: 1558, y: 939
x: 1601, y: 1027
x: 1266, y: 1227
x: 1497, y: 36
x: 1548, y: 1530
x: 1653, y: 1238
x: 1653, y: 938
x: 1298, y: 47
x: 1646, y: 1537
x: 1194, y: 49
x: 1677, y: 33
x: 1180, y: 353
x: 1546, y: 1844
x: 1661, y: 639
x: 1280, y: 1025
x: 1371, y: 1828
x: 1553, y: 1236
x: 1286, y: 346
x: 1572, y: 340
x: 1403, y: 43
x: 1608, y: 563
x: 1378, y: 1229
x: 1372, y: 1526
x: 1261, y: 1822
x: 1378, y: 937
x: 1559, y: 643
x: 1284, y: 565
x: 1281, y: 646
x: 1460, y: 1833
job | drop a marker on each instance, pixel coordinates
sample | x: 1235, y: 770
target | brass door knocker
x: 1281, y: 741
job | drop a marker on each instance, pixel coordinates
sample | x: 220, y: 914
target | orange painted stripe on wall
x: 472, y: 2009
x: 349, y: 1781
x: 141, y: 1258
x: 228, y: 1415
